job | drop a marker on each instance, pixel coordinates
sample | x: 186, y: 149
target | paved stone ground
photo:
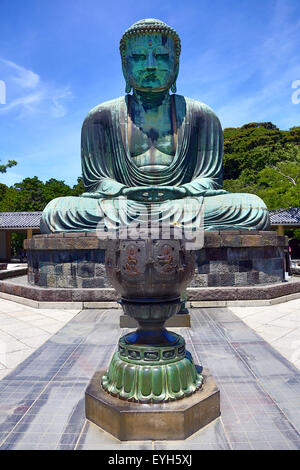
x: 42, y: 399
x: 23, y: 329
x: 278, y: 324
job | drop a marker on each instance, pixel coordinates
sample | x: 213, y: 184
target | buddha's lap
x: 239, y: 200
x: 84, y: 205
x: 221, y: 212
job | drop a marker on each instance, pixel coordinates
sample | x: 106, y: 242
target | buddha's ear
x: 176, y: 71
x: 173, y: 86
x: 128, y: 85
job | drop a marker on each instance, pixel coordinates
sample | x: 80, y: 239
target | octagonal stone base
x: 129, y: 421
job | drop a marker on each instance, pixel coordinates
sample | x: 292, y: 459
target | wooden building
x: 28, y: 222
x: 285, y: 219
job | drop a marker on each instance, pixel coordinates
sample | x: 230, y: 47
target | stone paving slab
x: 42, y: 400
x: 279, y: 325
x: 23, y: 329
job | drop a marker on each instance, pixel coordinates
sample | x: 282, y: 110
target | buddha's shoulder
x: 105, y: 108
x: 195, y: 106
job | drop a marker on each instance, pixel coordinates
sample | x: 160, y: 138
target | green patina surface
x: 152, y: 374
x: 152, y: 147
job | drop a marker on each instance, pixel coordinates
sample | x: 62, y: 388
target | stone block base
x: 176, y: 420
x: 179, y: 320
x: 228, y: 258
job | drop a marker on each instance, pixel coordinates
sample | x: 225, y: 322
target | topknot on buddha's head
x: 146, y: 26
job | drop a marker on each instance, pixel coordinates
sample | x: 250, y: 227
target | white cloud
x: 24, y: 78
x: 27, y: 94
x: 26, y: 102
x: 57, y: 108
x: 248, y: 80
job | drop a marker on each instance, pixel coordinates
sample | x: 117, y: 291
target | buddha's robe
x: 107, y: 167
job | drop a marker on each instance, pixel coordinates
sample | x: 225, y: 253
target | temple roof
x: 20, y: 220
x: 285, y: 216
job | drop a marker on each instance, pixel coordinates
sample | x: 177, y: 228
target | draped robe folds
x: 107, y: 168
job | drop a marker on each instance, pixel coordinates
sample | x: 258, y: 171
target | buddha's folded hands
x: 154, y: 193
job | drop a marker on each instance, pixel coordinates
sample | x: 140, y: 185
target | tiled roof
x: 20, y: 220
x: 285, y: 216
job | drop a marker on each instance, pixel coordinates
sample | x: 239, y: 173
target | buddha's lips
x: 150, y: 76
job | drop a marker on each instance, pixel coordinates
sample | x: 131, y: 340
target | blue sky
x: 59, y: 59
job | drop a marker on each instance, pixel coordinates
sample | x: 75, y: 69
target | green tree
x: 78, y: 188
x: 9, y: 164
x: 287, y: 164
x: 263, y: 160
x: 54, y: 188
x: 30, y: 194
x: 255, y: 146
x: 3, y: 189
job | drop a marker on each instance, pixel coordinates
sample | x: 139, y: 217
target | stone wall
x: 238, y: 266
x: 228, y: 258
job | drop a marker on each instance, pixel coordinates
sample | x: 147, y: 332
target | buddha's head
x: 150, y: 52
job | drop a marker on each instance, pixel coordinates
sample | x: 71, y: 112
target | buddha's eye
x: 162, y: 55
x: 139, y: 56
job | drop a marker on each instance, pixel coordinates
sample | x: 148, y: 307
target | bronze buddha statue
x: 152, y: 147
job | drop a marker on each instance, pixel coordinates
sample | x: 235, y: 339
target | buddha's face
x: 150, y: 62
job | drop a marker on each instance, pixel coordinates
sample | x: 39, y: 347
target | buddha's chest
x: 152, y: 145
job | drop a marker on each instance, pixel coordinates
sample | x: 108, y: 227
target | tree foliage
x: 261, y: 159
x: 9, y: 164
x: 33, y: 195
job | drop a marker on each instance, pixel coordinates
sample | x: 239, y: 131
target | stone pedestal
x: 174, y: 420
x: 228, y: 258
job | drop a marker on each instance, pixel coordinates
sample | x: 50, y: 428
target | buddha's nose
x: 151, y: 65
